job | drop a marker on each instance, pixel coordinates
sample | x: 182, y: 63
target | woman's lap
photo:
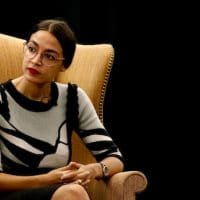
x: 44, y: 193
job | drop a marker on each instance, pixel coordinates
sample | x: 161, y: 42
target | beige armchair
x: 90, y: 69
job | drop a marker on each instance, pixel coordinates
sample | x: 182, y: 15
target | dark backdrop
x: 138, y: 107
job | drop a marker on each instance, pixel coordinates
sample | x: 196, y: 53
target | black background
x: 143, y: 108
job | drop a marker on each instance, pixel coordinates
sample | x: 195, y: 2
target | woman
x: 34, y: 125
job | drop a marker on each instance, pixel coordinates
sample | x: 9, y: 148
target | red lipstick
x: 32, y: 71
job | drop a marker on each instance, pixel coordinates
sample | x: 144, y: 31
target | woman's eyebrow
x: 46, y: 50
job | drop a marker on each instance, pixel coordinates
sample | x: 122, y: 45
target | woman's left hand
x: 83, y: 173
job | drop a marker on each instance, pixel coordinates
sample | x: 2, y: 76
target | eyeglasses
x: 47, y: 58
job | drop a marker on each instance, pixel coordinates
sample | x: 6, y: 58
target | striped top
x: 34, y: 136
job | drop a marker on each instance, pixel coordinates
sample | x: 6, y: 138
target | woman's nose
x: 37, y: 59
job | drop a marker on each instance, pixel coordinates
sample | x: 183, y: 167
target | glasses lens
x: 30, y: 50
x: 46, y: 58
x: 49, y: 59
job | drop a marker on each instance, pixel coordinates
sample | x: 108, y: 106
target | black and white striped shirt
x: 33, y: 135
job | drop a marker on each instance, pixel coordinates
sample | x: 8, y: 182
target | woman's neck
x: 33, y: 91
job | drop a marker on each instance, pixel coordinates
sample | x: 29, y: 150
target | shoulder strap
x: 4, y: 104
x: 72, y: 108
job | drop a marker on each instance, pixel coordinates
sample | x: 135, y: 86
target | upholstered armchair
x: 90, y: 69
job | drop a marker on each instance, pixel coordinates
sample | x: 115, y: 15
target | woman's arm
x: 113, y: 164
x: 90, y: 171
x: 10, y: 182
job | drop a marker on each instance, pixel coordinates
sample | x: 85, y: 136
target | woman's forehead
x: 46, y: 40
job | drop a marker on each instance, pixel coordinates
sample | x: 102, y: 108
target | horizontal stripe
x: 96, y: 138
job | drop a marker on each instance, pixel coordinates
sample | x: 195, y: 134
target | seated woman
x: 37, y: 116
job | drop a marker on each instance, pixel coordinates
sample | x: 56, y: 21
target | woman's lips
x: 32, y: 71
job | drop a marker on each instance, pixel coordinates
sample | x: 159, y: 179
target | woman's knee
x: 70, y: 192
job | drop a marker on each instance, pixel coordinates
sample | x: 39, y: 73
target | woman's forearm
x: 10, y: 182
x: 13, y: 182
x: 113, y: 164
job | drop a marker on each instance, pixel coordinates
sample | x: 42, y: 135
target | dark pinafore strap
x: 72, y: 108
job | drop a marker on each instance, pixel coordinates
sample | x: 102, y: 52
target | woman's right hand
x: 68, y: 172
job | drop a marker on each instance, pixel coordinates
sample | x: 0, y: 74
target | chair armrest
x: 125, y: 185
x: 121, y: 186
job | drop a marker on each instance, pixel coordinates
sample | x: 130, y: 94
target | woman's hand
x: 81, y: 174
x: 66, y: 174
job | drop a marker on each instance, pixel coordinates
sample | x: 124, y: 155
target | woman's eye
x: 32, y: 49
x: 49, y: 56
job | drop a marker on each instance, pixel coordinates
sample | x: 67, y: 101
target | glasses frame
x: 26, y: 49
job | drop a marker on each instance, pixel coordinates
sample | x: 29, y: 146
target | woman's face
x: 43, y: 57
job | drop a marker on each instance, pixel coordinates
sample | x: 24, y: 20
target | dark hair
x: 64, y: 34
